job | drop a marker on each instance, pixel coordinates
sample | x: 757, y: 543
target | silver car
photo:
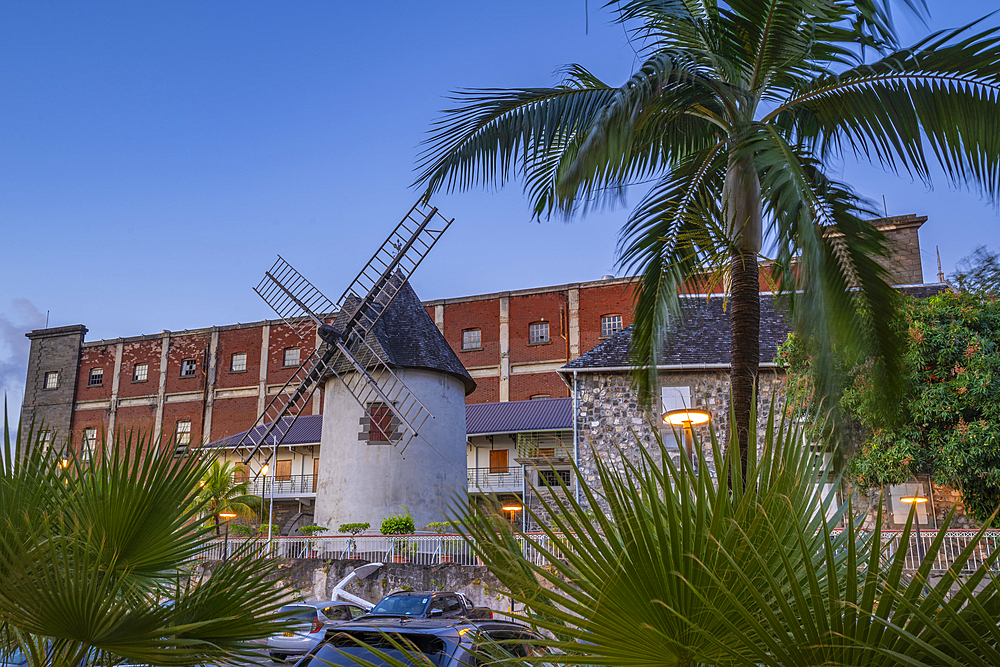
x: 309, y: 619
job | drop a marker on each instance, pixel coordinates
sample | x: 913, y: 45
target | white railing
x: 486, y: 480
x: 453, y: 548
x: 288, y: 485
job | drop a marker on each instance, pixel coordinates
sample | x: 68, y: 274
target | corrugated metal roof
x: 542, y: 414
x: 305, y: 431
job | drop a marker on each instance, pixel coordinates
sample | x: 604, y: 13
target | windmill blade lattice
x: 345, y: 350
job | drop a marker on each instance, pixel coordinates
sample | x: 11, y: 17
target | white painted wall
x: 362, y: 482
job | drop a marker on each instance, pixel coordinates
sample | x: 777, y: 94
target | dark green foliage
x: 948, y: 424
x: 978, y: 272
x: 313, y: 530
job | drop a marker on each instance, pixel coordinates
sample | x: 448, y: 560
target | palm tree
x: 737, y: 114
x: 677, y: 568
x: 97, y: 561
x: 219, y: 492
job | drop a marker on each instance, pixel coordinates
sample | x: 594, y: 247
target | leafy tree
x: 678, y: 569
x: 220, y: 492
x: 739, y: 113
x: 90, y: 552
x: 948, y: 423
x: 978, y: 272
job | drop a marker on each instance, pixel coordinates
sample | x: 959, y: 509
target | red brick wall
x: 140, y: 352
x: 483, y: 315
x: 525, y: 310
x: 523, y: 387
x: 88, y: 419
x: 282, y: 337
x: 187, y: 410
x: 232, y: 415
x: 235, y: 341
x: 487, y: 391
x: 595, y: 303
x: 95, y: 357
x: 188, y: 346
x: 136, y: 418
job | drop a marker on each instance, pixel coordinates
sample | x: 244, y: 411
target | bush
x: 400, y: 523
x: 441, y: 527
x: 242, y: 531
x: 275, y: 529
x: 354, y: 528
x: 313, y: 530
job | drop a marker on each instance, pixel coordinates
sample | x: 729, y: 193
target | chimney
x: 901, y: 234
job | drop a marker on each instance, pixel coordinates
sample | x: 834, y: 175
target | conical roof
x: 406, y: 337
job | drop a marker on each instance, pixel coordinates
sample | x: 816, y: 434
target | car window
x: 357, y: 611
x: 342, y: 649
x: 452, y: 605
x: 302, y: 612
x: 402, y: 605
x: 338, y: 613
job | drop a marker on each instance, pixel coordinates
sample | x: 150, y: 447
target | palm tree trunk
x: 744, y: 324
x: 742, y: 208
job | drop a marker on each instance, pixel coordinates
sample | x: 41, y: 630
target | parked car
x: 428, y: 604
x: 449, y: 642
x: 310, y: 619
x: 14, y: 658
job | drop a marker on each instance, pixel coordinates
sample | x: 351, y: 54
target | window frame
x: 193, y: 367
x: 232, y: 362
x: 479, y: 339
x: 298, y: 357
x: 182, y: 438
x: 553, y: 483
x: 531, y: 333
x: 89, y: 445
x: 380, y: 434
x: 45, y: 380
x: 145, y: 372
x: 99, y: 377
x: 612, y: 332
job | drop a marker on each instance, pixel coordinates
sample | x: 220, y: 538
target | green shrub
x: 262, y: 529
x: 313, y: 530
x: 400, y: 523
x: 354, y: 528
x: 242, y: 531
x: 441, y: 527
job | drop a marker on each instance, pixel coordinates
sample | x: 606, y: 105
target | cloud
x: 22, y: 316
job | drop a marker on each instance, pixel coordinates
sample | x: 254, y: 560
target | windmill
x: 342, y: 348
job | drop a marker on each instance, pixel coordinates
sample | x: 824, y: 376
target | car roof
x: 425, y: 625
x: 399, y: 594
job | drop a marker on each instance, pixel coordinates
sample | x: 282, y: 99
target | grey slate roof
x: 702, y: 336
x: 408, y: 338
x: 541, y: 414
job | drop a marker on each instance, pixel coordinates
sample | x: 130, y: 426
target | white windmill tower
x: 376, y: 336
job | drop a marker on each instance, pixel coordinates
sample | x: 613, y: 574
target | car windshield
x: 401, y: 605
x: 343, y: 649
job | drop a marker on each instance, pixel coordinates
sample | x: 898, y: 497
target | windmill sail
x: 345, y: 350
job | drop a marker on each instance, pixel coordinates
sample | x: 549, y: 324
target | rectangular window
x: 46, y: 441
x: 188, y: 368
x: 552, y: 477
x: 380, y: 429
x: 472, y: 339
x: 498, y: 460
x: 51, y: 380
x: 239, y: 362
x: 538, y: 332
x: 96, y: 377
x: 283, y: 470
x: 291, y: 357
x: 140, y: 372
x: 610, y: 324
x: 535, y: 397
x: 182, y: 438
x: 89, y: 443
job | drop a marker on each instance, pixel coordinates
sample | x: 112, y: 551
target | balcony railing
x: 489, y: 480
x: 287, y: 486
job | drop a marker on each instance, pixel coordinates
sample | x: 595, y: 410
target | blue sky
x: 156, y: 156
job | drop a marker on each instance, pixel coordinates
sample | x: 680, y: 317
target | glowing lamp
x: 227, y: 515
x: 264, y: 469
x: 64, y: 464
x: 687, y: 417
x: 913, y: 499
x: 512, y: 508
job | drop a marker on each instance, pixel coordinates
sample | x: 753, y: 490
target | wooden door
x: 498, y: 460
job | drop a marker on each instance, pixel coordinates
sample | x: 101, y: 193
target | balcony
x: 495, y: 480
x: 286, y: 486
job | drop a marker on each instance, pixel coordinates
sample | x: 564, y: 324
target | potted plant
x: 449, y: 546
x: 400, y: 523
x: 353, y: 529
x: 309, y: 531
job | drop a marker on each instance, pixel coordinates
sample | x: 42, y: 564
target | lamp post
x: 916, y: 500
x: 686, y: 418
x: 263, y: 490
x: 513, y: 508
x: 225, y: 543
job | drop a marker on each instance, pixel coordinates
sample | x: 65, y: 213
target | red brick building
x: 205, y: 384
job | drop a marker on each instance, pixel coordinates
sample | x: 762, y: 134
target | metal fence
x: 287, y: 485
x: 453, y: 548
x: 490, y: 479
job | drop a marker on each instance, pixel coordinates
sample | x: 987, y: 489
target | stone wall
x: 55, y: 350
x: 314, y: 579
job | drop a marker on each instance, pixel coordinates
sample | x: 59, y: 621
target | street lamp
x: 916, y: 500
x: 686, y: 418
x: 225, y: 543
